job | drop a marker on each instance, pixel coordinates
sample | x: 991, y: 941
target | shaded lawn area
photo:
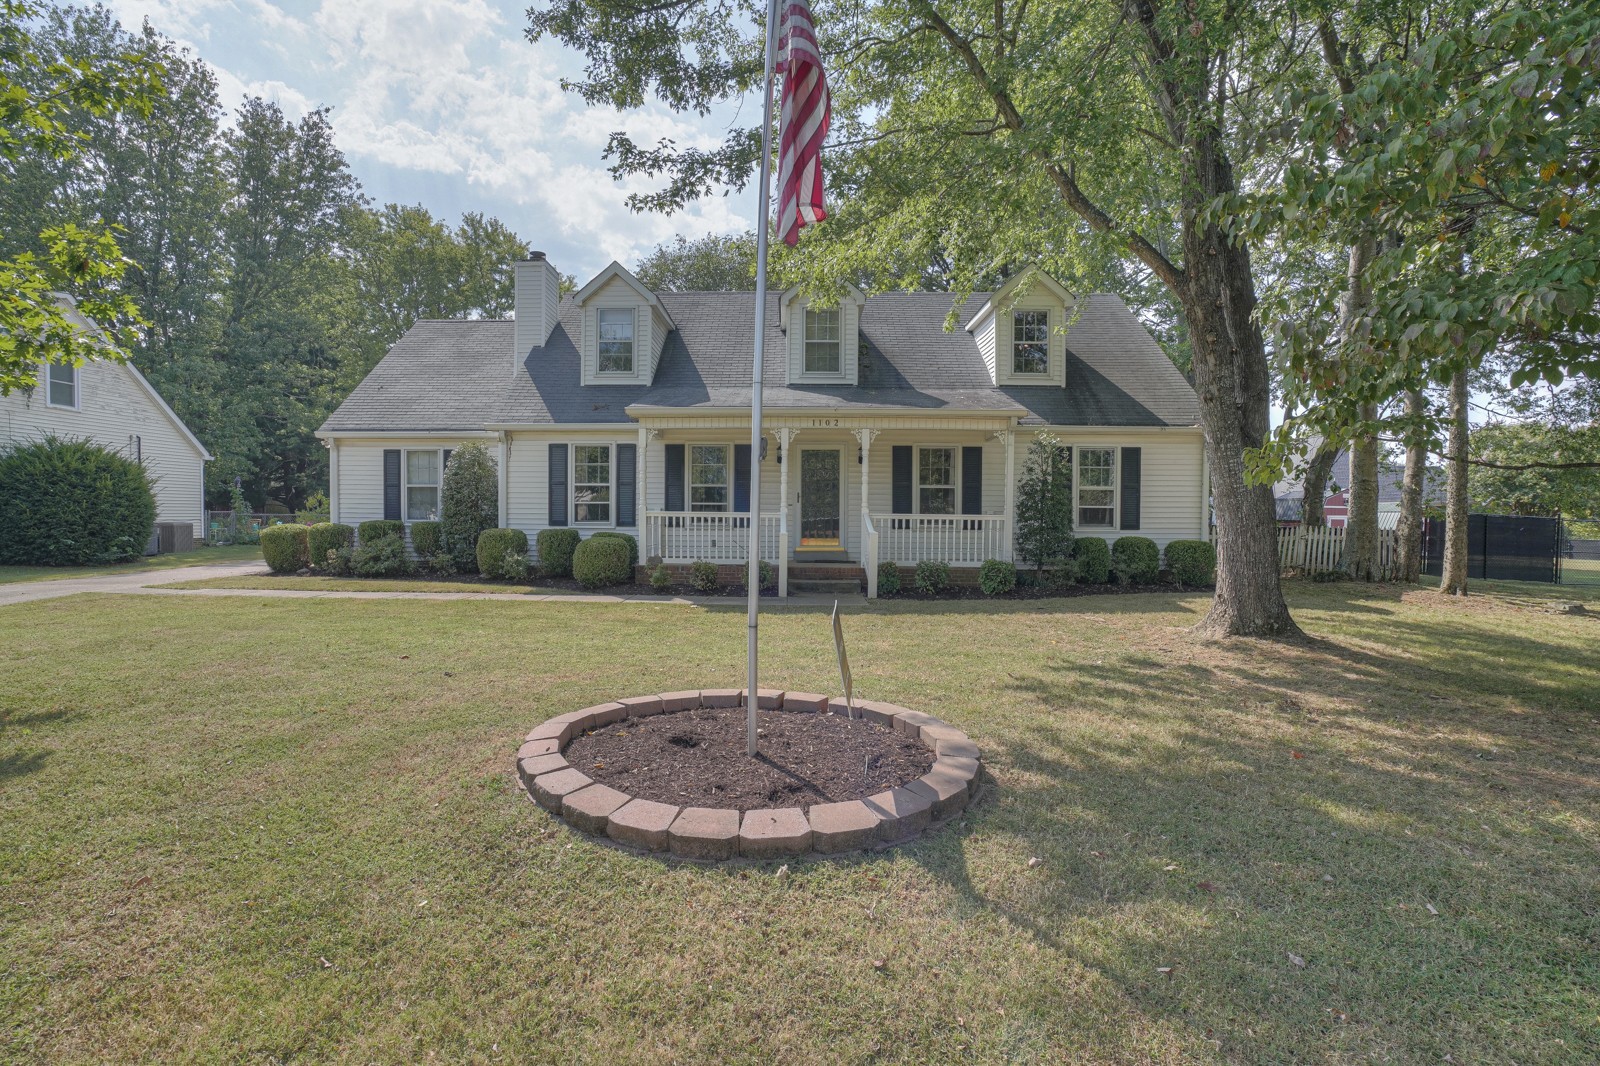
x: 270, y: 830
x: 315, y: 583
x: 233, y: 553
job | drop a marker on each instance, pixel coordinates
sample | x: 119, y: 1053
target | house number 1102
x: 826, y: 423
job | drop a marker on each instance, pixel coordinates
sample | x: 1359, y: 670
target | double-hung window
x: 1030, y: 342
x: 936, y: 480
x: 822, y: 341
x: 423, y: 471
x: 61, y: 385
x: 1097, y: 488
x: 709, y: 477
x: 591, y: 483
x: 616, y: 340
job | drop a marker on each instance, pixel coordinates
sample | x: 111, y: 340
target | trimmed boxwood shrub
x: 555, y: 551
x: 325, y: 537
x: 1093, y: 557
x: 996, y: 577
x: 380, y: 557
x: 1135, y: 560
x: 888, y: 579
x: 633, y: 544
x: 499, y: 551
x: 932, y: 576
x: 703, y: 576
x: 70, y: 502
x: 427, y: 539
x: 374, y: 528
x: 286, y: 548
x: 601, y: 561
x: 1192, y: 562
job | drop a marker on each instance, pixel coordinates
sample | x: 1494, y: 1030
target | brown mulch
x: 697, y: 759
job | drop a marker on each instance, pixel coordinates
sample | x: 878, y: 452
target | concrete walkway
x: 28, y: 591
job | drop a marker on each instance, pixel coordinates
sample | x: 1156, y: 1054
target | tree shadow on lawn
x: 21, y: 762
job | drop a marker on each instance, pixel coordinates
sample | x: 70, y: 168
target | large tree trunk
x: 1408, y: 532
x: 1314, y: 498
x: 1361, y: 523
x: 1453, y: 579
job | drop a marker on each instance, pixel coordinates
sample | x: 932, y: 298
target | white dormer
x: 824, y: 338
x: 1021, y: 331
x: 624, y: 329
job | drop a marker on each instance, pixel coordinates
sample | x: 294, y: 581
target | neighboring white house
x: 887, y: 437
x: 113, y: 405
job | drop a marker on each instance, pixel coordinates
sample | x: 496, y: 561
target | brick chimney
x: 537, y: 293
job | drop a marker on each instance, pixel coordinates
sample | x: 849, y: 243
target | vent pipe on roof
x: 537, y: 294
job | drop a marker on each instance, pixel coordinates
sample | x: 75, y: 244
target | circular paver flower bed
x: 670, y: 773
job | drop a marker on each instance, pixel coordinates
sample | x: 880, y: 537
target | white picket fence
x: 1323, y: 549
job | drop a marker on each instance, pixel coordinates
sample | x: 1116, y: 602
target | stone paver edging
x: 708, y: 833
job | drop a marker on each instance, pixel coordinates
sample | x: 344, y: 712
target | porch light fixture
x: 858, y: 455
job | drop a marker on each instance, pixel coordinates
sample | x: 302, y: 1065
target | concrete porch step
x: 832, y: 587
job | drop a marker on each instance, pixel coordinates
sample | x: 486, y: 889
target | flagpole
x: 753, y: 581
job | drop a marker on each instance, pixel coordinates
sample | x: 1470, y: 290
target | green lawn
x: 237, y: 553
x: 272, y: 830
x: 354, y: 584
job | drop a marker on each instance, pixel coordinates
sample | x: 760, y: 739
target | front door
x: 819, y: 497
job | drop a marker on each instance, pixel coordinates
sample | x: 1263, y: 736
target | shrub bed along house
x: 627, y: 538
x: 1135, y: 560
x: 888, y: 579
x: 374, y: 528
x: 1093, y: 558
x: 601, y: 561
x: 996, y: 577
x: 383, y: 556
x: 427, y: 540
x: 325, y: 537
x: 286, y: 548
x: 469, y: 504
x: 1192, y: 562
x: 555, y: 551
x: 70, y: 502
x: 503, y: 554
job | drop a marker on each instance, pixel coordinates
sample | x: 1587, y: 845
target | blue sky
x: 446, y: 104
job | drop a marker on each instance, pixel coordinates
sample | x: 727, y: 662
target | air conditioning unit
x: 174, y: 537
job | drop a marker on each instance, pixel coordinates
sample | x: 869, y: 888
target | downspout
x: 505, y: 479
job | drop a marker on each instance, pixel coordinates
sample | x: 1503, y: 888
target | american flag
x: 804, y: 115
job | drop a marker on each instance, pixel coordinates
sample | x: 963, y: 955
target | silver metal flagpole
x: 753, y: 582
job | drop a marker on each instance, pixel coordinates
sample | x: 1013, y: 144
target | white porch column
x: 1008, y: 441
x: 785, y: 438
x: 864, y: 436
x: 641, y: 506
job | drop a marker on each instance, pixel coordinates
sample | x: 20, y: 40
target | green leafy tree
x: 1537, y: 469
x: 469, y: 503
x: 713, y: 263
x: 1044, y: 504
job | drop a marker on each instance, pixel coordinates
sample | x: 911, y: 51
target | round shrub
x: 633, y: 544
x: 888, y: 579
x: 703, y: 576
x: 380, y: 527
x: 768, y: 575
x: 469, y: 502
x: 286, y: 548
x: 498, y: 552
x: 427, y: 539
x: 661, y: 578
x: 1093, y: 557
x: 997, y: 577
x: 70, y: 502
x: 1192, y: 562
x: 932, y: 577
x: 601, y: 561
x: 380, y: 557
x: 555, y: 551
x: 1135, y: 560
x: 325, y: 537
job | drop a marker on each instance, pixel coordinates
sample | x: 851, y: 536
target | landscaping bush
x: 1093, y: 557
x: 888, y: 579
x: 932, y: 577
x: 469, y: 503
x: 1192, y: 562
x: 427, y: 540
x: 633, y: 544
x: 325, y: 537
x: 336, y: 563
x: 499, y: 551
x: 380, y: 557
x: 661, y: 578
x: 768, y: 575
x: 1135, y: 560
x: 703, y: 577
x: 996, y: 577
x: 70, y: 502
x: 601, y: 561
x: 375, y: 528
x: 286, y: 548
x: 555, y: 551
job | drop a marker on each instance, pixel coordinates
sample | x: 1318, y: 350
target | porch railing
x: 708, y: 536
x: 960, y: 540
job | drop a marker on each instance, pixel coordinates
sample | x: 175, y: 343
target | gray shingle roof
x: 448, y: 375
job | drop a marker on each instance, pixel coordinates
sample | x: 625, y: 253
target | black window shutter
x: 741, y: 478
x: 900, y: 479
x: 627, y: 485
x: 674, y: 493
x: 391, y: 484
x: 445, y: 461
x: 558, y: 485
x: 972, y: 480
x: 1131, y: 461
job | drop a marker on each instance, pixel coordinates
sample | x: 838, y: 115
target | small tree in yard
x: 470, y: 504
x: 1044, y: 504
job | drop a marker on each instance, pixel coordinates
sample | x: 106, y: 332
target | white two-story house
x: 886, y: 436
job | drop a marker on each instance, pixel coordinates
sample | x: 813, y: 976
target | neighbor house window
x: 1030, y: 342
x: 616, y: 341
x: 708, y: 477
x: 61, y: 385
x: 591, y: 483
x: 936, y: 480
x: 1097, y: 488
x: 422, y: 485
x: 822, y: 341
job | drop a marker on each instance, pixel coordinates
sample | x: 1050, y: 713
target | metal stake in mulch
x: 844, y: 662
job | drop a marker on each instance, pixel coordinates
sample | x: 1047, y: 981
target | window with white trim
x: 591, y: 483
x: 423, y: 474
x: 1030, y: 342
x: 822, y: 355
x: 936, y: 481
x: 709, y: 477
x: 1096, y: 488
x: 616, y: 340
x: 61, y: 385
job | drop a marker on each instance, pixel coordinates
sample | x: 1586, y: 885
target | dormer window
x: 822, y: 341
x: 616, y: 340
x: 1030, y: 342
